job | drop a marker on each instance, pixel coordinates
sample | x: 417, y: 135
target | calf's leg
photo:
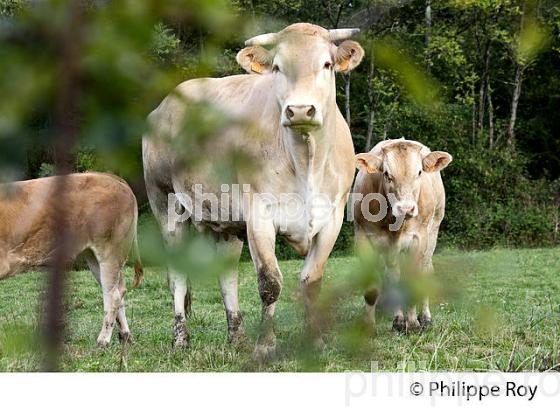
x: 371, y: 297
x: 395, y: 297
x: 124, y: 331
x: 366, y: 245
x: 425, y: 316
x: 110, y: 273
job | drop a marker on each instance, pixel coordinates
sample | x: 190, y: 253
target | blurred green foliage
x: 421, y: 80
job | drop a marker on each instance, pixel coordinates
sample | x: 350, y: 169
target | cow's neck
x: 308, y: 152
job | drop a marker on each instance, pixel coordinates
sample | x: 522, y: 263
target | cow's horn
x: 262, y: 40
x: 342, y: 33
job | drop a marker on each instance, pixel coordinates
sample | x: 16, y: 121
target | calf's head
x: 303, y: 61
x: 402, y: 164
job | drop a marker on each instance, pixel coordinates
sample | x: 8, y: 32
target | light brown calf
x: 100, y: 211
x: 405, y: 176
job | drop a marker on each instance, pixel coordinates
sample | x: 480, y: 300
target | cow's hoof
x: 425, y: 322
x: 264, y: 352
x: 237, y: 338
x: 102, y: 343
x: 181, y: 337
x: 413, y: 326
x: 126, y: 338
x: 182, y: 342
x: 399, y: 324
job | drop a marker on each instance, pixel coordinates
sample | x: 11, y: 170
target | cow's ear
x: 348, y: 55
x: 255, y: 60
x: 436, y: 161
x: 369, y: 163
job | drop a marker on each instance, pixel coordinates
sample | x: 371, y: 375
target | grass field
x: 499, y: 310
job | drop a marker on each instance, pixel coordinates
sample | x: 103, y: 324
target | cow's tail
x: 135, y: 253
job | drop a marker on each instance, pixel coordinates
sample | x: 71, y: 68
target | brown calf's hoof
x: 399, y: 324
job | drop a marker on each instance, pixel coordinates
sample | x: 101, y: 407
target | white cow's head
x: 402, y: 164
x: 303, y: 61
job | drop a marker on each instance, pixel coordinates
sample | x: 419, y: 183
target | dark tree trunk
x: 371, y: 101
x: 490, y: 118
x: 516, y: 94
x: 514, y: 103
x: 473, y: 116
x: 428, y: 36
x: 68, y: 98
x: 484, y: 80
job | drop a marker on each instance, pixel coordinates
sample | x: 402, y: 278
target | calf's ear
x: 436, y: 161
x: 348, y: 56
x: 369, y: 163
x: 255, y: 60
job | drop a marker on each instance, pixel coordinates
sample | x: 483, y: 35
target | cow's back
x: 243, y: 120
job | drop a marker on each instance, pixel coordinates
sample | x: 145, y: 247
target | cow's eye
x: 275, y: 68
x: 328, y: 65
x: 419, y: 172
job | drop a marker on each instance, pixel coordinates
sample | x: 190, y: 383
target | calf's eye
x: 328, y: 65
x: 275, y: 68
x: 387, y: 177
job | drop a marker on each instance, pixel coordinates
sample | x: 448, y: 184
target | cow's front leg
x: 181, y: 299
x: 261, y: 237
x: 312, y: 275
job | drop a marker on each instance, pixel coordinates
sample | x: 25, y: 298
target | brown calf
x: 100, y: 213
x: 405, y: 177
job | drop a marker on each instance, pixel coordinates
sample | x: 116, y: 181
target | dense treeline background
x: 477, y: 78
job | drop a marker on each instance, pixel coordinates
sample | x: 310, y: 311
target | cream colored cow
x: 285, y: 117
x: 405, y: 176
x: 100, y: 215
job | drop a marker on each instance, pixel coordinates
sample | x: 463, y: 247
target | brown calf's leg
x: 124, y: 332
x: 112, y: 299
x: 371, y: 297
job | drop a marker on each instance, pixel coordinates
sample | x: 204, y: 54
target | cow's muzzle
x: 301, y: 116
x: 406, y: 209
